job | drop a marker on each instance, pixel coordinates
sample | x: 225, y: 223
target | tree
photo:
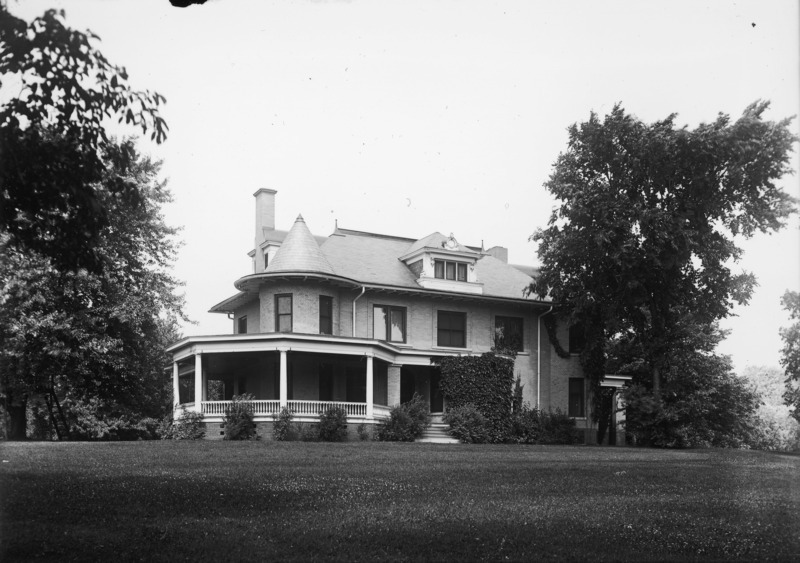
x: 646, y: 226
x: 702, y: 402
x: 96, y: 337
x: 52, y: 135
x: 776, y: 429
x: 790, y: 353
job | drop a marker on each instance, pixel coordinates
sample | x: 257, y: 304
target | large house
x: 358, y: 319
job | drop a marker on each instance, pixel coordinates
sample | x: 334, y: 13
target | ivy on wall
x: 484, y: 381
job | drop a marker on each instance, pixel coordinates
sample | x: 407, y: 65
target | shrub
x: 406, y: 421
x: 189, y: 426
x: 363, y: 433
x: 467, y: 424
x: 484, y: 381
x: 282, y: 424
x: 333, y: 424
x: 97, y: 419
x: 308, y: 432
x: 238, y: 422
x: 534, y: 426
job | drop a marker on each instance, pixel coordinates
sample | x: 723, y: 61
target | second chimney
x: 265, y: 212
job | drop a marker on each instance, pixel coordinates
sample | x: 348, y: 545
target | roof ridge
x: 353, y: 232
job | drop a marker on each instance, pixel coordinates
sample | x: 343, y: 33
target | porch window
x: 508, y: 333
x: 451, y: 329
x: 389, y: 323
x: 325, y: 314
x: 283, y: 313
x: 242, y: 328
x: 444, y: 269
x: 576, y: 397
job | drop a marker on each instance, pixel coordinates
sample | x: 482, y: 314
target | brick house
x: 356, y: 319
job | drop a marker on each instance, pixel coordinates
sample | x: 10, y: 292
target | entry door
x: 437, y: 399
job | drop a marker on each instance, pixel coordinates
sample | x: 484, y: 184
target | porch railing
x: 314, y: 407
x: 302, y: 408
x: 259, y: 407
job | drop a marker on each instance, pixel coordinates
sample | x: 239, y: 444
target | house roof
x: 299, y: 252
x: 359, y: 257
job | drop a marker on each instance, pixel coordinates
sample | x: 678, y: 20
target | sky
x: 408, y: 117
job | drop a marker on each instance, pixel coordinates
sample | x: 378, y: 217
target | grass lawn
x: 376, y: 501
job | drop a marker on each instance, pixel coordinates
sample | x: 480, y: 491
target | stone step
x: 437, y: 434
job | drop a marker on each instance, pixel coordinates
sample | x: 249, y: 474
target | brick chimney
x: 499, y: 252
x: 265, y: 219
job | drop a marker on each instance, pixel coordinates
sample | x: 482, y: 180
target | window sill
x: 452, y: 349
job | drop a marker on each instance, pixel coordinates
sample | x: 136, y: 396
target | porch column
x: 284, y: 379
x: 370, y: 385
x: 393, y: 385
x: 198, y: 382
x: 176, y: 389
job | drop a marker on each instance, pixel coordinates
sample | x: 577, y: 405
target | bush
x: 189, y: 426
x: 406, y: 421
x: 485, y: 381
x: 534, y: 426
x: 238, y: 422
x: 363, y: 433
x: 282, y: 424
x: 333, y: 424
x: 467, y: 424
x: 96, y: 419
x: 308, y: 432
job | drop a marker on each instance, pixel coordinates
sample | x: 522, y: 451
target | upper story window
x: 325, y: 314
x: 508, y: 333
x: 283, y: 313
x: 389, y: 323
x: 575, y: 407
x: 577, y: 339
x: 451, y: 329
x: 242, y: 325
x: 447, y: 270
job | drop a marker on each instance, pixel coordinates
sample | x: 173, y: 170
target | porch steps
x: 436, y: 433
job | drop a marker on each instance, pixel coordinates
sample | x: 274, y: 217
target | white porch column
x: 393, y: 383
x: 370, y: 386
x: 198, y: 382
x: 176, y: 389
x: 284, y: 379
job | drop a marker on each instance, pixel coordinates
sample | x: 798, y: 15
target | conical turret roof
x: 299, y: 252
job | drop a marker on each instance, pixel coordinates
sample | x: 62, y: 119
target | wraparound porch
x: 304, y: 373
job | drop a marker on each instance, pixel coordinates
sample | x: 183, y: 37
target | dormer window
x: 447, y: 270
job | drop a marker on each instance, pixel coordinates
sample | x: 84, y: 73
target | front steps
x: 436, y: 433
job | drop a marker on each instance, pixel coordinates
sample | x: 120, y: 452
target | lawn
x: 375, y: 501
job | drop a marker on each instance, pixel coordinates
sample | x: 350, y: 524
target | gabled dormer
x: 441, y: 262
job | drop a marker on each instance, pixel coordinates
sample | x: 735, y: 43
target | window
x: 242, y: 325
x: 451, y: 329
x: 508, y: 333
x: 446, y: 270
x: 266, y: 259
x: 325, y: 314
x: 283, y: 313
x: 576, y: 400
x: 577, y: 339
x: 389, y: 323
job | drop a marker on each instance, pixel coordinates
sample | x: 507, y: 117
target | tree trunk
x: 17, y: 421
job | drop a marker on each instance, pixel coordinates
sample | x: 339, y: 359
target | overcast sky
x: 406, y: 118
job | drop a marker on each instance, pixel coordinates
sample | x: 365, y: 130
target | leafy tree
x: 790, y: 353
x: 96, y: 337
x: 646, y: 225
x: 52, y: 137
x: 702, y: 402
x: 776, y: 429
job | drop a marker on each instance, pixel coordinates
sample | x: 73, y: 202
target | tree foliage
x: 96, y: 337
x: 776, y: 429
x: 52, y: 137
x: 790, y: 353
x: 646, y: 225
